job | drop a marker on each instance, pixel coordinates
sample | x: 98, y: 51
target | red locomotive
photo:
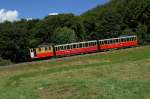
x: 83, y: 47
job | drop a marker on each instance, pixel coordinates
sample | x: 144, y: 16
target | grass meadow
x: 118, y: 74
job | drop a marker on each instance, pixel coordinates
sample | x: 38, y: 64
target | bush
x: 4, y: 62
x: 63, y: 35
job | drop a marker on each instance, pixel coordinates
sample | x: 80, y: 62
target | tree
x: 63, y: 35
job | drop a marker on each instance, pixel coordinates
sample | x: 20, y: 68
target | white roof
x: 118, y: 38
x: 76, y: 43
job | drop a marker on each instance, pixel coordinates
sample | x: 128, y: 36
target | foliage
x: 4, y: 62
x: 63, y: 36
x: 121, y: 16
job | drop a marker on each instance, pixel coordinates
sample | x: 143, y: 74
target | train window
x: 83, y: 44
x: 77, y: 45
x: 95, y: 43
x: 49, y: 48
x: 46, y: 48
x: 60, y: 47
x: 86, y: 44
x: 114, y: 41
x: 130, y: 39
x: 107, y: 42
x: 31, y: 50
x: 124, y: 40
x: 110, y: 41
x: 56, y: 48
x: 91, y: 43
x: 68, y: 47
x: 74, y: 46
x: 80, y: 45
x: 117, y: 40
x: 39, y: 49
x: 127, y: 39
x: 64, y: 47
x: 102, y: 42
x: 135, y: 38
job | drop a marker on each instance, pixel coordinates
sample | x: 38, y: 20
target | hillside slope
x: 119, y: 17
x: 119, y: 74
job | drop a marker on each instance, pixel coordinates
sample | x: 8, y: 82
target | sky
x: 15, y: 9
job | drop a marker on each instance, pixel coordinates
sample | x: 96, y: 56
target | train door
x: 32, y: 53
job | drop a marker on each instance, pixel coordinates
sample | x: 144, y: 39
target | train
x: 49, y: 51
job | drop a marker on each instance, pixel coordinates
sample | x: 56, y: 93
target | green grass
x: 119, y: 74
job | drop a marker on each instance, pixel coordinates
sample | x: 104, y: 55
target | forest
x: 113, y: 19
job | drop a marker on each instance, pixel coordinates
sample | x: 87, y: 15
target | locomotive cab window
x: 39, y: 49
x: 46, y: 48
x: 31, y: 50
x: 86, y: 44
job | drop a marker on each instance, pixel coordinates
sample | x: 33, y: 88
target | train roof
x: 121, y: 37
